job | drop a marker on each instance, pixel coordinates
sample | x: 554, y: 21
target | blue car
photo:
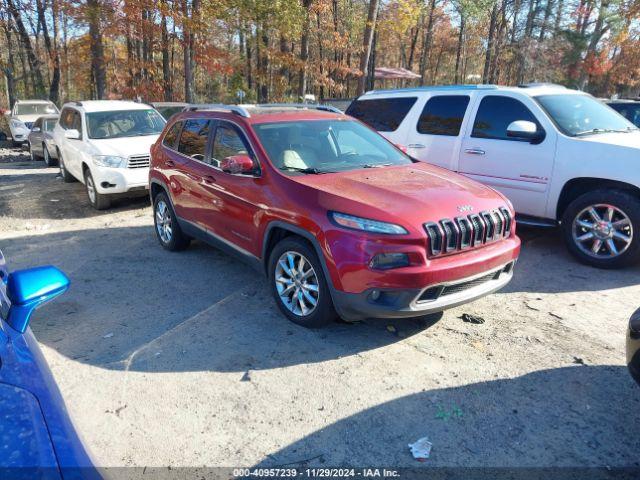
x: 37, y: 438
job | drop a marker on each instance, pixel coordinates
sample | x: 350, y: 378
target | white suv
x: 24, y: 113
x: 560, y: 155
x: 105, y: 144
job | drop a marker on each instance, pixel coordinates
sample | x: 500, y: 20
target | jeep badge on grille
x: 465, y: 208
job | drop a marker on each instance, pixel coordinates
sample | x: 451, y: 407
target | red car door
x: 235, y: 196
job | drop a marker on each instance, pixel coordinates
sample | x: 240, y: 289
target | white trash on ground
x: 421, y: 449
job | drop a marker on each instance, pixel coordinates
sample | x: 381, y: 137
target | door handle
x: 170, y: 163
x: 474, y: 151
x: 416, y: 145
x: 209, y: 179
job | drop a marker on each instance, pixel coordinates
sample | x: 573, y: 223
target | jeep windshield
x: 580, y: 115
x: 124, y: 123
x: 326, y: 146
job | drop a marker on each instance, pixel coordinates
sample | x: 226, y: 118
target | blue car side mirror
x: 27, y: 290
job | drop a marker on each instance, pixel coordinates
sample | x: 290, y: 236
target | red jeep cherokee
x: 339, y: 219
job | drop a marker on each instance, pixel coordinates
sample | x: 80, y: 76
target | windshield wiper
x: 605, y: 130
x: 308, y: 170
x: 375, y: 165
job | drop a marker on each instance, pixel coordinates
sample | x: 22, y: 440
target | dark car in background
x: 633, y: 346
x: 37, y: 437
x: 41, y: 144
x: 168, y: 109
x: 630, y: 109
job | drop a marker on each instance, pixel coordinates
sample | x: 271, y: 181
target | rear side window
x: 171, y: 137
x: 383, y: 114
x: 227, y: 143
x: 496, y: 113
x: 443, y: 115
x: 49, y: 125
x: 193, y: 139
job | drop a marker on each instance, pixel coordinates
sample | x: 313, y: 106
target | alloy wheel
x: 297, y: 283
x: 602, y: 231
x: 163, y: 222
x: 91, y: 189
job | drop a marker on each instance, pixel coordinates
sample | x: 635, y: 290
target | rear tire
x: 97, y: 200
x: 167, y: 228
x: 66, y: 176
x: 34, y: 157
x: 602, y: 228
x: 48, y: 161
x: 300, y: 289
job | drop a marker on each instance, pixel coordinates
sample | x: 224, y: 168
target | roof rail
x: 314, y: 106
x: 238, y: 110
x: 76, y: 103
x: 434, y: 88
x: 540, y: 84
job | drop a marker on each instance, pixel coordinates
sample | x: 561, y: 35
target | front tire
x: 167, y: 228
x: 298, y: 284
x: 97, y: 200
x: 602, y: 228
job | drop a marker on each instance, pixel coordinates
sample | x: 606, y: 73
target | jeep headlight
x: 110, y: 161
x: 366, y: 224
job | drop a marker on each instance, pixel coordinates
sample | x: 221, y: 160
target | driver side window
x: 228, y: 142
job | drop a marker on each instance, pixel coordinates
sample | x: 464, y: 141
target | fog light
x: 385, y: 261
x: 374, y: 295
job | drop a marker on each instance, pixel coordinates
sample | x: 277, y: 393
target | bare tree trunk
x: 490, y: 43
x: 559, y: 12
x: 545, y: 23
x: 459, y: 49
x: 94, y: 12
x: 304, y: 48
x: 263, y: 93
x: 9, y: 70
x: 367, y: 42
x: 54, y: 87
x: 426, y: 44
x: 32, y: 59
x: 167, y: 85
x: 186, y: 49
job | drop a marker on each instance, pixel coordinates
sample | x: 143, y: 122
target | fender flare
x: 304, y: 234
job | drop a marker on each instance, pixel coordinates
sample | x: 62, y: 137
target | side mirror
x: 525, y: 130
x: 27, y: 290
x: 72, y: 134
x: 238, y: 164
x: 35, y: 129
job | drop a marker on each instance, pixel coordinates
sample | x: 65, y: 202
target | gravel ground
x: 182, y: 359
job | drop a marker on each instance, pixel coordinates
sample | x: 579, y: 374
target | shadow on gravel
x: 583, y: 416
x: 133, y: 305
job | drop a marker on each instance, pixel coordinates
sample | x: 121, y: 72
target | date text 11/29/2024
x: 316, y: 472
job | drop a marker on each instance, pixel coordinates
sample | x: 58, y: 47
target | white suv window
x: 494, y: 115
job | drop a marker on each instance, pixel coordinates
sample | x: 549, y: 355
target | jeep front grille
x: 138, y: 161
x: 474, y: 230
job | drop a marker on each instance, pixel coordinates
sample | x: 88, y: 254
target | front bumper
x: 19, y: 135
x: 405, y: 303
x: 633, y: 346
x: 120, y: 180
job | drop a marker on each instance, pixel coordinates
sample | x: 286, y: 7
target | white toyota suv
x: 105, y: 144
x: 24, y: 113
x: 561, y: 156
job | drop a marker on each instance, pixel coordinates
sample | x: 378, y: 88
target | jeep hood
x: 124, y: 146
x: 415, y: 193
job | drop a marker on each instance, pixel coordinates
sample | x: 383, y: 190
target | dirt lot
x: 182, y: 359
